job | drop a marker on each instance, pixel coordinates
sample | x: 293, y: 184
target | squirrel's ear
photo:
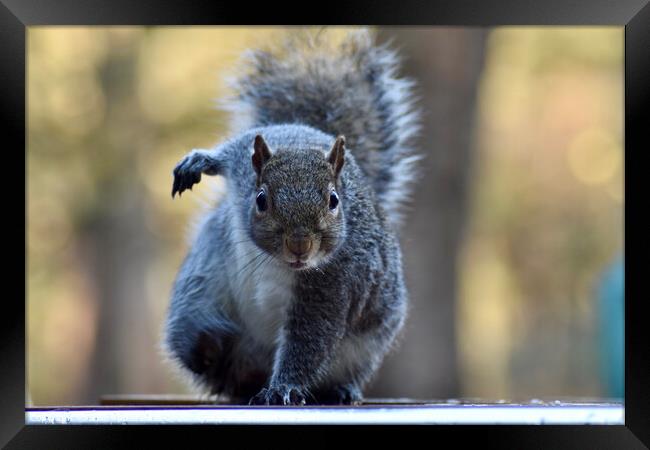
x: 336, y: 156
x: 261, y: 154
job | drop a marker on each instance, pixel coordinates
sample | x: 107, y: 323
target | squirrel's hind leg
x: 215, y: 361
x: 204, y: 348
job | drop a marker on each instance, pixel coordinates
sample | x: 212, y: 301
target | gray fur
x: 243, y: 321
x: 351, y: 89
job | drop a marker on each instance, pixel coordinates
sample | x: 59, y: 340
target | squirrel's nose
x: 299, y: 245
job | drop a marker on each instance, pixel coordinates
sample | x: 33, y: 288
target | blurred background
x: 512, y: 251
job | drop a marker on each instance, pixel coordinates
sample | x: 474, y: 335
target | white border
x: 438, y: 414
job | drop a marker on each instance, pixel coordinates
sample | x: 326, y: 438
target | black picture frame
x: 634, y: 15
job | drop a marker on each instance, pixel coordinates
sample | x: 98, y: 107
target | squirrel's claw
x: 175, y: 187
x: 279, y: 395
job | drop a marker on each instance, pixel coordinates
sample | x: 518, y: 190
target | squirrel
x: 293, y: 290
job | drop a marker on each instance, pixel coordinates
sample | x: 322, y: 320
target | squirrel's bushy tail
x: 348, y: 87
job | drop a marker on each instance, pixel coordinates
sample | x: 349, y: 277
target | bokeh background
x: 513, y: 246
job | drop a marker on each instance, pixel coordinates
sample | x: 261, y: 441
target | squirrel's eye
x: 334, y: 200
x: 261, y: 200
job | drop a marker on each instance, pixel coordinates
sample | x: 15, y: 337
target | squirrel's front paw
x: 187, y: 173
x: 340, y: 395
x: 279, y: 395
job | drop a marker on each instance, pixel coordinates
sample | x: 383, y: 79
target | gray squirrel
x: 293, y: 291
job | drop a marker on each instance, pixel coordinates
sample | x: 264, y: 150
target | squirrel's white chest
x: 263, y: 292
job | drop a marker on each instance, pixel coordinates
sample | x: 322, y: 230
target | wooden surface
x: 180, y: 400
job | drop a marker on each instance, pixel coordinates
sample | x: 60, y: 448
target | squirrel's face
x: 296, y: 211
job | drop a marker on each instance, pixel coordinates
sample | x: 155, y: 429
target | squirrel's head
x: 296, y: 211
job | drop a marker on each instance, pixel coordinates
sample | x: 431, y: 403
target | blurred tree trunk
x: 118, y: 249
x: 447, y: 64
